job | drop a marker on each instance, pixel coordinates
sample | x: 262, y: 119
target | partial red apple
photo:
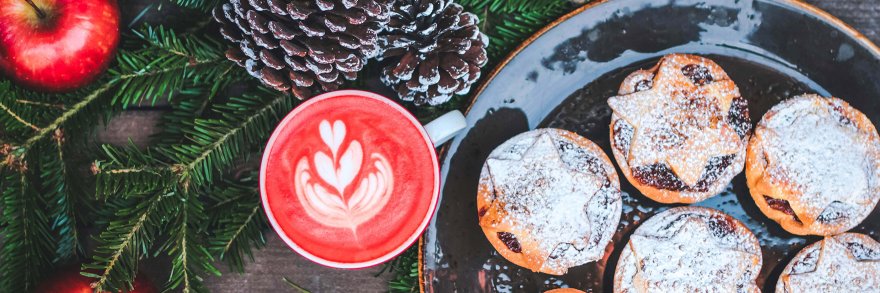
x: 57, y: 45
x: 70, y: 281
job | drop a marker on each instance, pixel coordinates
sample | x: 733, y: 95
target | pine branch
x: 190, y: 258
x: 237, y: 222
x: 203, y: 5
x: 406, y: 272
x: 216, y: 143
x: 176, y: 62
x: 129, y: 171
x: 127, y: 239
x: 18, y: 110
x: 17, y: 117
x: 72, y: 113
x: 294, y: 286
x: 28, y: 243
x: 64, y: 201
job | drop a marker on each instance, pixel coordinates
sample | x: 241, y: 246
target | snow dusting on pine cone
x: 306, y: 46
x: 433, y: 50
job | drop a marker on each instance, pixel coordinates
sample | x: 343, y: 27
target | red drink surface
x: 349, y: 179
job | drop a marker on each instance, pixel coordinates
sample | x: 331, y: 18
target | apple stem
x: 39, y: 11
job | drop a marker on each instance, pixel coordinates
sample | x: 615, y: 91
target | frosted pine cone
x: 432, y: 50
x: 304, y: 46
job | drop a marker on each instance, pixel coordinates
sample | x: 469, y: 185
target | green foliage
x: 27, y: 239
x: 203, y: 5
x: 135, y: 224
x: 237, y: 221
x: 65, y: 200
x: 190, y: 257
x: 240, y: 125
x: 406, y: 272
x: 172, y: 63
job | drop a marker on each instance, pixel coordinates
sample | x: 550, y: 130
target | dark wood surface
x: 276, y: 261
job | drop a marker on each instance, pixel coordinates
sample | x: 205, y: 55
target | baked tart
x: 689, y: 249
x: 679, y: 130
x: 848, y: 262
x: 814, y: 165
x: 549, y: 200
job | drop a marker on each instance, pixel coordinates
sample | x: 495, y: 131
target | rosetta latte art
x: 324, y: 196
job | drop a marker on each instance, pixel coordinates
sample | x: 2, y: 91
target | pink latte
x: 349, y: 179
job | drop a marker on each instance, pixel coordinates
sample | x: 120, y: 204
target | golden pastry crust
x: 848, y: 262
x: 689, y: 249
x: 679, y: 130
x: 549, y: 200
x: 564, y: 290
x: 813, y: 165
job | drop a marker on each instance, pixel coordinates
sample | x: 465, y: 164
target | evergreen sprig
x: 27, y: 237
x: 406, y: 272
x: 237, y: 221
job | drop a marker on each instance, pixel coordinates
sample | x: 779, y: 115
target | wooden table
x: 277, y: 261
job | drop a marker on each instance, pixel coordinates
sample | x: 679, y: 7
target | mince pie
x: 848, y: 262
x: 549, y: 200
x: 814, y: 165
x: 679, y: 130
x: 689, y: 249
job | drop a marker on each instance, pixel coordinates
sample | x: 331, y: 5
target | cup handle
x: 445, y: 127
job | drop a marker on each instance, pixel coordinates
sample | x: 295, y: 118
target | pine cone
x: 432, y: 50
x: 304, y: 46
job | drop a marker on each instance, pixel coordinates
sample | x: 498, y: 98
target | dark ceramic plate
x: 562, y: 77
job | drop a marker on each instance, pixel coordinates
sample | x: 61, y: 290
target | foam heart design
x: 339, y: 171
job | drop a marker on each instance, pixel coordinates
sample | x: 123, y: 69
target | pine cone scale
x: 282, y: 32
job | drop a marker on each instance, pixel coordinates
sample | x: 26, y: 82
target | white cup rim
x: 429, y: 213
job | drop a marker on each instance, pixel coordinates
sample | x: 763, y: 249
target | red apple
x: 70, y: 281
x: 57, y: 45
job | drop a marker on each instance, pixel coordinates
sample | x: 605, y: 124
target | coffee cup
x: 350, y: 179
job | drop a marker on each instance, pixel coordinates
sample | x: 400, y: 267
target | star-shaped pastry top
x: 679, y: 123
x: 838, y: 270
x: 544, y: 194
x: 815, y: 161
x: 690, y: 260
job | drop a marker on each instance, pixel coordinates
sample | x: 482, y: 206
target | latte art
x: 349, y: 179
x: 327, y: 197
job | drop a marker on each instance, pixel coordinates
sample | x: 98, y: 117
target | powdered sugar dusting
x: 689, y: 250
x: 847, y: 262
x: 679, y: 118
x: 826, y: 164
x: 555, y: 193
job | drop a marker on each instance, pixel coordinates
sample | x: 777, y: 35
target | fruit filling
x: 700, y: 75
x: 662, y: 177
x: 510, y: 241
x: 738, y: 116
x: 644, y: 85
x: 782, y: 206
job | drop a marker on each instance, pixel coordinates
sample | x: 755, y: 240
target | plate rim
x: 808, y: 8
